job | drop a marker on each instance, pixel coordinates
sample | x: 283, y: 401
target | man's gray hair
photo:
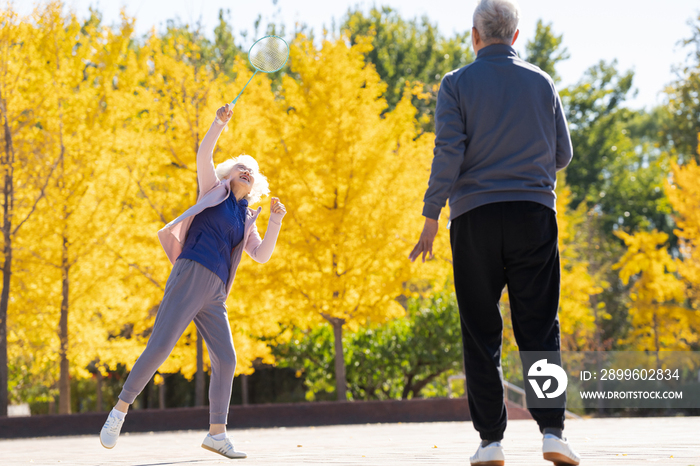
x: 496, y: 20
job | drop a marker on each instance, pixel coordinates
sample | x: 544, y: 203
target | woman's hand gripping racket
x: 268, y: 54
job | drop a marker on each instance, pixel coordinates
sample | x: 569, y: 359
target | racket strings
x: 269, y: 54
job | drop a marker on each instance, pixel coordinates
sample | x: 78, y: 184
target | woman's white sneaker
x: 490, y: 455
x: 223, y: 447
x: 559, y: 451
x: 110, y: 431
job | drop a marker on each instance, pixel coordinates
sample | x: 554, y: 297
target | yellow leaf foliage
x: 577, y: 317
x: 23, y: 81
x: 351, y: 178
x: 659, y: 320
x: 61, y: 264
x: 684, y: 194
x: 177, y: 104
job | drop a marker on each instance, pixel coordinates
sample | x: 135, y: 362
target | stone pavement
x: 626, y: 441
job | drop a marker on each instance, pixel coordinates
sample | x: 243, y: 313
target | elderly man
x: 501, y: 136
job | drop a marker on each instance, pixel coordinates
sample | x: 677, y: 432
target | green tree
x: 613, y: 171
x: 682, y: 124
x: 545, y: 50
x: 402, y: 357
x: 225, y: 49
x: 408, y: 51
x: 396, y: 360
x: 618, y: 174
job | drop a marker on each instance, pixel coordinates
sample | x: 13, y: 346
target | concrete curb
x: 253, y: 416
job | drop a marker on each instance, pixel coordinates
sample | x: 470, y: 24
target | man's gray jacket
x: 500, y: 135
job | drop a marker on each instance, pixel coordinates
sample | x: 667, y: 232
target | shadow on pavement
x: 170, y: 462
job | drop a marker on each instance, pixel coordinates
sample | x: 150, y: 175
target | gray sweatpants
x: 192, y: 292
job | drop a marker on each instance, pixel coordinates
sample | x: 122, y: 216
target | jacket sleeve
x: 206, y: 176
x: 448, y: 155
x: 565, y: 150
x: 261, y: 249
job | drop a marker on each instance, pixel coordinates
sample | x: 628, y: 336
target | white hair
x: 496, y: 20
x: 260, y: 186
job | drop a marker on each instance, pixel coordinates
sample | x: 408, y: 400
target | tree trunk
x: 8, y: 198
x: 64, y: 380
x: 464, y: 371
x: 598, y: 348
x: 199, y: 378
x: 244, y: 389
x: 161, y: 394
x: 146, y: 396
x: 98, y: 401
x: 4, y: 302
x: 341, y: 383
x: 593, y: 300
x: 408, y: 386
x: 153, y: 397
x: 657, y: 346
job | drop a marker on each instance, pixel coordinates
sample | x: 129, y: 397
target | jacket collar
x: 496, y: 50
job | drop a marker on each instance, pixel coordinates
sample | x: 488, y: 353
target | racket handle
x: 233, y: 104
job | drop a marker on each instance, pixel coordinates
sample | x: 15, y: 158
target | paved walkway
x: 660, y: 441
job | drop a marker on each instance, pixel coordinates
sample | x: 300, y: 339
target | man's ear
x: 476, y: 38
x: 515, y: 36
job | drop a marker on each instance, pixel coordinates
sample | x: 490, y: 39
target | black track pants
x: 499, y: 244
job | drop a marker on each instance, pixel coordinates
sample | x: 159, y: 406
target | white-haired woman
x: 205, y: 244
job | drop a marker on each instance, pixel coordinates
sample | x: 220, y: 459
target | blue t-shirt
x: 213, y: 235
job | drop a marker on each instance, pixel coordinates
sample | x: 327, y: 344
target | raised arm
x: 261, y: 249
x: 206, y: 176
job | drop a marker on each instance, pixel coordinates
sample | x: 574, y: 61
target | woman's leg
x: 185, y: 294
x: 212, y: 323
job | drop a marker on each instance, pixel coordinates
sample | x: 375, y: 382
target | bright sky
x: 642, y: 35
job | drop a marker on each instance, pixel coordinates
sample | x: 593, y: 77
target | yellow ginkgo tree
x: 353, y: 178
x: 580, y: 312
x: 659, y: 319
x: 174, y: 108
x: 83, y: 126
x: 684, y: 194
x: 26, y: 170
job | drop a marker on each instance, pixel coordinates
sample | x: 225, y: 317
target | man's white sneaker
x: 110, y: 431
x: 223, y: 447
x: 490, y: 455
x: 559, y: 451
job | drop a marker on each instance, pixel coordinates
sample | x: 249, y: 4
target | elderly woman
x: 205, y: 244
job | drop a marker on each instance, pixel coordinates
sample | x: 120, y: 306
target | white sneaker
x: 223, y: 447
x: 110, y: 431
x: 559, y: 451
x: 490, y: 455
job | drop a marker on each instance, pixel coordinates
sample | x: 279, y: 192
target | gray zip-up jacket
x: 500, y: 135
